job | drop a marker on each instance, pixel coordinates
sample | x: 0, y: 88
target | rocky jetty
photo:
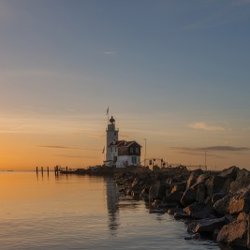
x: 214, y: 204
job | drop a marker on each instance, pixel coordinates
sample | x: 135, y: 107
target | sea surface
x: 81, y: 212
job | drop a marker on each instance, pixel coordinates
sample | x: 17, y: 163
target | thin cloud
x: 199, y: 153
x: 205, y: 126
x: 212, y: 148
x: 181, y: 148
x: 225, y: 148
x: 75, y: 156
x: 70, y: 148
x: 57, y: 147
x: 110, y: 52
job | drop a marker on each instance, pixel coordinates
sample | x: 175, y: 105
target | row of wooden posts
x: 57, y: 170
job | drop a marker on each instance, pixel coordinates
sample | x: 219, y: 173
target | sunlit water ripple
x: 74, y: 212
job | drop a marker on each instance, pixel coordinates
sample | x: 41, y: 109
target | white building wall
x: 127, y: 160
x: 113, y: 152
x: 112, y: 156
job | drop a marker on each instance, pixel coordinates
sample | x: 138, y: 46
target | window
x: 131, y: 150
x: 134, y: 161
x: 137, y: 150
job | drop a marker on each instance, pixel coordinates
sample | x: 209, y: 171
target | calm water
x: 77, y: 212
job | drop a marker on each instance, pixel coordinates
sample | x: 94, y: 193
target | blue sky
x: 174, y: 72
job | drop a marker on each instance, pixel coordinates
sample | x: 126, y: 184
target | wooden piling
x: 56, y: 170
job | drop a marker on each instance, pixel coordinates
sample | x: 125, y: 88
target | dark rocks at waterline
x: 235, y: 233
x: 213, y: 203
x: 181, y: 215
x: 207, y: 226
x: 198, y: 211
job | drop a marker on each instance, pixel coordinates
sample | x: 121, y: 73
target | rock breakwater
x: 213, y: 204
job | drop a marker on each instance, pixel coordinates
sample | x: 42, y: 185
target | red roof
x: 126, y: 143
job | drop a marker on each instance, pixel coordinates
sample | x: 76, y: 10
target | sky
x: 174, y: 73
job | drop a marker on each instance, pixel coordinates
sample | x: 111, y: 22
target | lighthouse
x: 121, y: 153
x: 112, y: 139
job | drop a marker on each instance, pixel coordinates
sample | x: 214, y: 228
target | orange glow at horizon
x: 78, y: 142
x: 26, y: 151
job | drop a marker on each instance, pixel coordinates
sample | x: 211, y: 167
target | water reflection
x: 112, y: 205
x: 116, y: 203
x: 81, y: 212
x: 41, y: 175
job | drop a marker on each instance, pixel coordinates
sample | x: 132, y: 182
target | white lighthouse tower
x: 112, y: 138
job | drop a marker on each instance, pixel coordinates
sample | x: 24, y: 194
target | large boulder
x: 216, y: 197
x: 242, y: 216
x: 221, y: 206
x: 207, y: 226
x: 202, y: 178
x: 198, y: 211
x: 137, y: 186
x: 193, y: 177
x: 201, y: 192
x: 197, y: 192
x: 240, y: 202
x: 229, y: 173
x: 154, y: 190
x: 188, y: 197
x: 196, y: 188
x: 144, y: 194
x: 174, y: 197
x: 234, y: 234
x: 176, y: 192
x: 242, y: 180
x: 234, y: 203
x: 221, y: 183
x: 157, y: 190
x: 178, y: 187
x: 216, y: 184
